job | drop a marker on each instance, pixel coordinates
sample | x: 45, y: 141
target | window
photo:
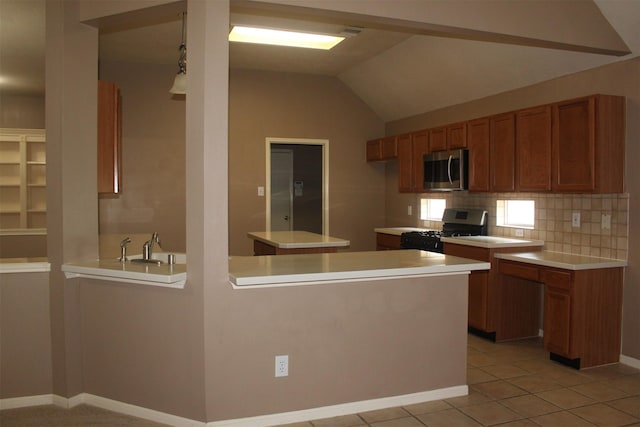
x: 432, y: 209
x: 515, y: 213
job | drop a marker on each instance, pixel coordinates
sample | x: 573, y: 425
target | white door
x: 281, y: 190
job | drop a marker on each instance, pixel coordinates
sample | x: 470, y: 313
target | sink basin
x: 160, y: 256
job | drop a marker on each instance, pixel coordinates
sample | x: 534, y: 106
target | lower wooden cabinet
x: 557, y: 321
x: 582, y: 310
x: 485, y: 293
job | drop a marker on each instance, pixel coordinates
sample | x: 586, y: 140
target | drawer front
x: 387, y: 241
x: 464, y: 251
x: 556, y: 278
x: 518, y: 270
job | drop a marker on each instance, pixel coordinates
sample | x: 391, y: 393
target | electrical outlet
x: 519, y: 233
x: 575, y: 219
x: 261, y: 191
x: 282, y: 366
x: 409, y: 210
x: 605, y: 222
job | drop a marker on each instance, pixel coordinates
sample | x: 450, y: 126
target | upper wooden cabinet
x: 457, y: 135
x: 503, y: 152
x: 382, y: 149
x: 588, y: 145
x: 109, y: 138
x: 573, y: 146
x: 448, y: 137
x: 478, y: 138
x: 411, y: 149
x: 533, y: 149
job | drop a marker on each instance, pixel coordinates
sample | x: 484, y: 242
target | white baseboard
x: 343, y: 409
x: 634, y: 363
x: 259, y: 421
x: 23, y: 402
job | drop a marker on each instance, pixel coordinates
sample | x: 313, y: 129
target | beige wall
x: 22, y: 111
x: 153, y: 156
x: 616, y: 79
x: 25, y: 335
x: 267, y: 104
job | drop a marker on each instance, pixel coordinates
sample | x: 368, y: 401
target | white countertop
x: 563, y: 260
x: 398, y: 230
x: 297, y: 239
x: 294, y: 270
x: 165, y: 275
x: 24, y: 265
x: 491, y: 241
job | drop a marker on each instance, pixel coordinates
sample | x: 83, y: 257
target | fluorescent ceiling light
x: 283, y: 38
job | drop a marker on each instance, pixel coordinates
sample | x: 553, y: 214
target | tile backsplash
x: 553, y: 220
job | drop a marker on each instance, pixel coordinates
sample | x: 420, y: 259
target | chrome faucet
x: 123, y: 249
x: 147, y: 248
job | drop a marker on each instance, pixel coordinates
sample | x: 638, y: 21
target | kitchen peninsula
x: 412, y: 303
x: 294, y: 242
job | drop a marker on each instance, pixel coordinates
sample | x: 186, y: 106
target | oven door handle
x: 449, y: 169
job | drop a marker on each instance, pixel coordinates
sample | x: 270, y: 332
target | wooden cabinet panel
x: 557, y: 321
x: 559, y: 278
x: 109, y: 138
x: 448, y: 137
x: 588, y: 144
x: 389, y: 148
x: 382, y: 149
x: 387, y: 241
x: 419, y: 147
x: 520, y: 270
x: 533, y: 149
x: 478, y: 138
x: 438, y: 139
x: 503, y: 152
x: 478, y: 300
x: 411, y: 149
x: 405, y: 163
x: 457, y: 135
x: 374, y: 150
x: 574, y: 145
x: 465, y: 251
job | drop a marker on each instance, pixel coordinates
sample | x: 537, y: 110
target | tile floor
x: 511, y: 384
x: 515, y: 384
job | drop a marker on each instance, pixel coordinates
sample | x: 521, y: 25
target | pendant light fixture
x: 180, y: 82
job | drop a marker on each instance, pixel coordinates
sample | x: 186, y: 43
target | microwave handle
x: 449, y: 169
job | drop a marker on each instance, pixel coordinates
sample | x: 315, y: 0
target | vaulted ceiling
x: 397, y: 68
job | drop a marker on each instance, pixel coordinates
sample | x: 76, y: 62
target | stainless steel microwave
x: 446, y: 170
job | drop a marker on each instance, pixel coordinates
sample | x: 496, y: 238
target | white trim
x: 23, y: 232
x: 23, y: 402
x: 325, y: 176
x: 344, y: 408
x: 259, y: 421
x: 634, y: 363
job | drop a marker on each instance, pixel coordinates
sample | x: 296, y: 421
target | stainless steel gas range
x: 456, y: 222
